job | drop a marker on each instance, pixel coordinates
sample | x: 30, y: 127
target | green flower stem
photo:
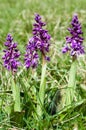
x: 70, y: 92
x: 16, y: 95
x: 40, y: 101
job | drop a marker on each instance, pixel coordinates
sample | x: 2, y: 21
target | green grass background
x: 17, y: 17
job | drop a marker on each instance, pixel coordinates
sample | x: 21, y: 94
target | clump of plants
x: 36, y: 55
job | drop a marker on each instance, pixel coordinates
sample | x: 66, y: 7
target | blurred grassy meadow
x: 17, y: 18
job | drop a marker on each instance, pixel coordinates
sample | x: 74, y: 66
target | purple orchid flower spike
x: 39, y: 42
x: 74, y: 43
x: 11, y: 55
x: 31, y: 56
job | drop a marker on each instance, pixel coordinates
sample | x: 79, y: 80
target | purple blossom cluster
x: 11, y: 55
x: 75, y: 41
x: 31, y: 56
x: 39, y: 42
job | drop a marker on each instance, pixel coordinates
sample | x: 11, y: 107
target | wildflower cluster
x: 39, y: 42
x: 11, y: 55
x: 75, y: 41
